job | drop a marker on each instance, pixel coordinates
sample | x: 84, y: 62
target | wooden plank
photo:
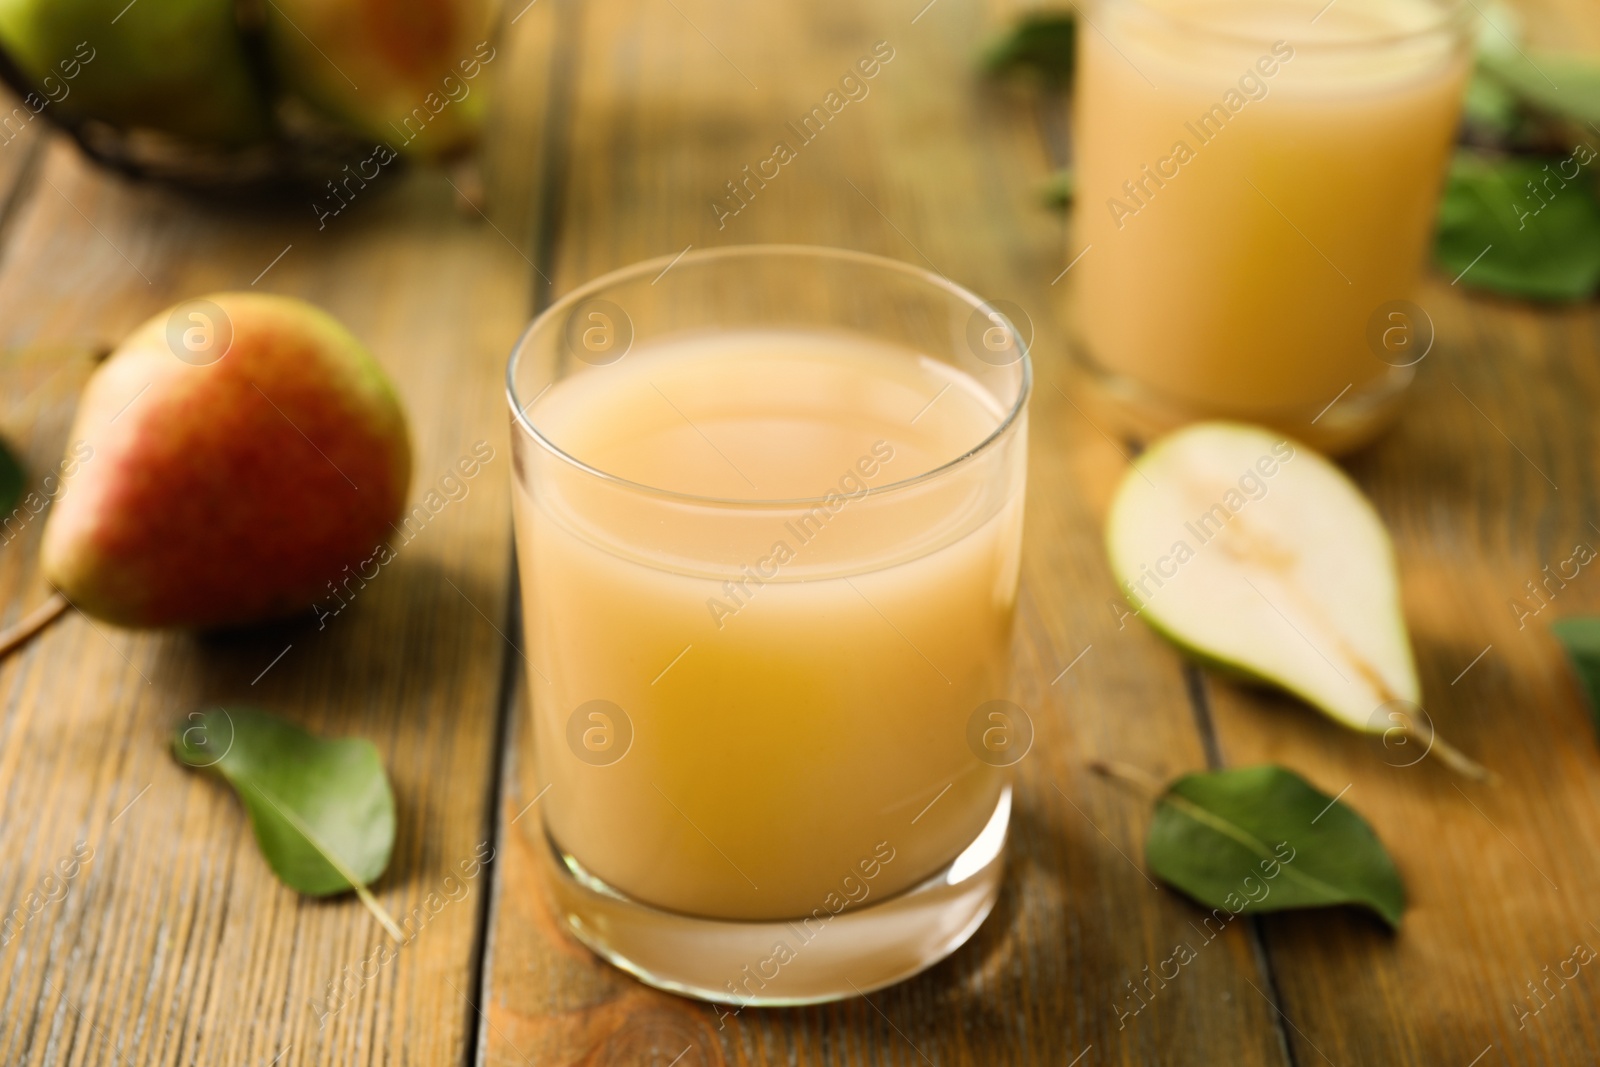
x: 1500, y: 877
x: 174, y: 943
x: 669, y: 102
x: 1489, y: 477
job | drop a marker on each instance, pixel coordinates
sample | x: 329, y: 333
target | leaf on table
x: 1580, y: 639
x: 1262, y: 839
x: 12, y: 480
x: 1491, y: 111
x: 1041, y: 42
x: 1499, y: 27
x: 1495, y: 232
x: 321, y: 809
x: 1511, y: 104
x: 1564, y: 85
x: 1059, y: 189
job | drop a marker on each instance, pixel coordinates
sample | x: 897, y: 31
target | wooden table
x: 619, y: 123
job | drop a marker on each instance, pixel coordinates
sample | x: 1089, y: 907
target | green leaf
x: 1040, y: 42
x: 1490, y: 108
x: 1544, y: 248
x: 1499, y: 27
x: 1261, y: 839
x: 1567, y: 86
x: 322, y: 810
x: 1580, y: 638
x: 1059, y: 189
x: 12, y: 480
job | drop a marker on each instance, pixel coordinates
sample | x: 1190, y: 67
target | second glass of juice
x: 769, y: 518
x: 1257, y: 183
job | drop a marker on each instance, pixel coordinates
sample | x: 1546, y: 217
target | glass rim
x: 1452, y: 18
x: 659, y: 264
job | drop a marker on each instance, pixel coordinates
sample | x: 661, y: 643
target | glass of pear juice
x: 768, y: 507
x: 1257, y: 183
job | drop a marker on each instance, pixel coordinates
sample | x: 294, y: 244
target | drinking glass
x: 1257, y: 186
x: 771, y: 727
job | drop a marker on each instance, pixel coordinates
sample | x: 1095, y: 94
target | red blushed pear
x: 409, y: 73
x: 221, y: 490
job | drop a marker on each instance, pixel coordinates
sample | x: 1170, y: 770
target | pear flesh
x: 1258, y: 555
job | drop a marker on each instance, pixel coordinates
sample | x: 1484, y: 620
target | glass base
x: 799, y: 961
x: 1335, y: 426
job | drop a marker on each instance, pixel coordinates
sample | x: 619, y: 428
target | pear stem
x: 1137, y: 777
x: 31, y: 623
x: 1452, y: 756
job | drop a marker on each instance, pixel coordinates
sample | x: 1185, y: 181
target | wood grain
x: 1491, y: 475
x: 174, y: 944
x: 1500, y: 877
x: 668, y: 102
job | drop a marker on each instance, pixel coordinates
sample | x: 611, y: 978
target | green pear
x: 409, y: 73
x: 1260, y: 557
x: 178, y: 66
x: 231, y: 461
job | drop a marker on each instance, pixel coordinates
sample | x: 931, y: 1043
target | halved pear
x: 1259, y: 556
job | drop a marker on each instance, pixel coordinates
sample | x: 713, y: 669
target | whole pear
x: 409, y: 73
x: 174, y: 65
x: 227, y: 462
